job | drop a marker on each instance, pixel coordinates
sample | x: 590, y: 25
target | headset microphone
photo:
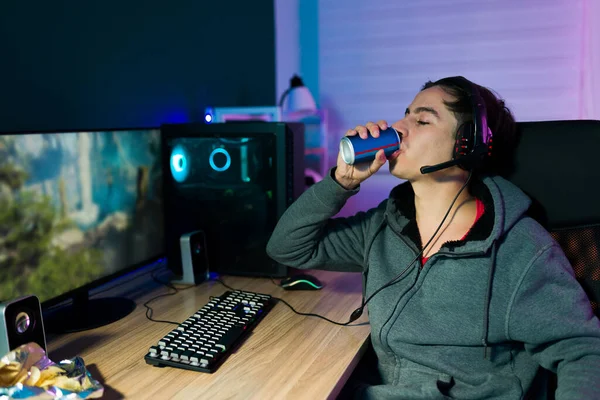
x: 433, y: 168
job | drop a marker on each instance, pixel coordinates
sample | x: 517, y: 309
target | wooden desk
x: 287, y: 356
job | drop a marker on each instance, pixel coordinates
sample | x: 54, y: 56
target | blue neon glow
x: 179, y: 162
x: 211, y: 159
x: 208, y: 115
x: 180, y: 167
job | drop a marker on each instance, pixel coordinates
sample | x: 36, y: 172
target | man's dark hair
x: 499, y: 118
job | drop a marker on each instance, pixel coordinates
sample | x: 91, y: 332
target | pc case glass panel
x: 224, y: 185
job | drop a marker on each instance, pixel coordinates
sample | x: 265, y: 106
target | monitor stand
x: 85, y: 313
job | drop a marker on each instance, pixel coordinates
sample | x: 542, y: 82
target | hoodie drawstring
x: 488, y: 296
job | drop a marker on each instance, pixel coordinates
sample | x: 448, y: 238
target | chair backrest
x: 557, y: 163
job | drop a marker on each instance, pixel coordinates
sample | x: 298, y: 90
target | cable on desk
x: 297, y: 312
x: 315, y: 315
x: 150, y: 311
x: 222, y: 283
x: 274, y: 282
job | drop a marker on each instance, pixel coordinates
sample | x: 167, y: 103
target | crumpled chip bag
x: 26, y: 372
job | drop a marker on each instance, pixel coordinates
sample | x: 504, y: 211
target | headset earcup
x: 464, y: 140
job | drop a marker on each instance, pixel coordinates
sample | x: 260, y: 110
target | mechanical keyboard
x: 204, y: 340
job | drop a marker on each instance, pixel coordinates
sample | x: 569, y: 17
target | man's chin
x: 396, y: 171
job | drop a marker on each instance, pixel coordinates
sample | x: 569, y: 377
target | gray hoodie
x: 506, y: 290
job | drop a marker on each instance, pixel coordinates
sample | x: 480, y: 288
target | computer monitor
x: 231, y: 181
x: 78, y: 209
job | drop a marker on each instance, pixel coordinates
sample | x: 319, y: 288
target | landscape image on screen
x: 75, y: 207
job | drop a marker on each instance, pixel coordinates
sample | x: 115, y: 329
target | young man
x: 467, y: 296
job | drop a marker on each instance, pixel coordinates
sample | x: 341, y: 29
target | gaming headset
x: 473, y: 138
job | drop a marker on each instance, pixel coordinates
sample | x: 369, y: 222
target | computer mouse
x: 301, y: 282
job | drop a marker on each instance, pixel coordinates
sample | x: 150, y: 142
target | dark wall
x: 69, y: 64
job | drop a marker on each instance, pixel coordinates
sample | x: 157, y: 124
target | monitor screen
x: 77, y: 209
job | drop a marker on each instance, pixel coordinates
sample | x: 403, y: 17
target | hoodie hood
x: 504, y: 205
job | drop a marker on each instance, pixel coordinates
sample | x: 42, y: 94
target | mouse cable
x: 292, y: 308
x: 311, y: 314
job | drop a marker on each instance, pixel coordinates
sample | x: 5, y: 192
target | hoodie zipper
x: 389, y: 320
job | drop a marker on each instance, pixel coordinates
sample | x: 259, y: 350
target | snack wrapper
x: 27, y: 373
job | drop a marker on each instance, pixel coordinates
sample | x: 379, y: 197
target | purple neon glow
x: 542, y: 56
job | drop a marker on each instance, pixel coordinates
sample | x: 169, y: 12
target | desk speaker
x: 21, y: 322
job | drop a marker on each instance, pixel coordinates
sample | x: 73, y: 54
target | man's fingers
x: 383, y: 125
x: 378, y: 162
x: 362, y: 131
x: 373, y: 128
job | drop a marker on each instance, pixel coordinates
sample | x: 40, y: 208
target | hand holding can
x: 356, y: 150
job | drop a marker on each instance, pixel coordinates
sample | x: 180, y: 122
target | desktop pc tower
x: 231, y: 182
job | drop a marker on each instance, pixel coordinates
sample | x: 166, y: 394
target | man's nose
x: 401, y: 127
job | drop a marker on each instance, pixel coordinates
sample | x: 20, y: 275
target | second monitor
x: 232, y: 181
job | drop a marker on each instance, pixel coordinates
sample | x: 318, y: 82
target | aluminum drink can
x: 355, y: 150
